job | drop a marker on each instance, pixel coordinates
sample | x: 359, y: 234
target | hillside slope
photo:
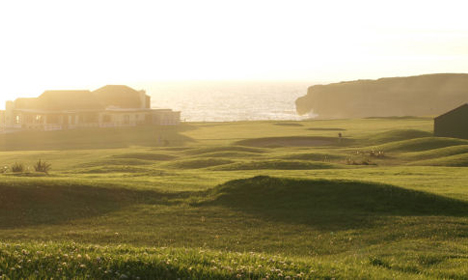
x: 400, y: 96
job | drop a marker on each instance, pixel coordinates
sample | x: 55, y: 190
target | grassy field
x: 241, y: 200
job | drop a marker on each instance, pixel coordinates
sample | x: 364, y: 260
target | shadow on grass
x: 35, y: 203
x: 289, y: 124
x: 96, y: 138
x: 394, y: 136
x: 275, y: 165
x: 329, y: 204
x: 326, y: 129
x: 295, y: 141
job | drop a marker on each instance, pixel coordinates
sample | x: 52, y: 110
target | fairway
x: 236, y: 200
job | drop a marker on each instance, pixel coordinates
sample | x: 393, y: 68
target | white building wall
x: 16, y: 119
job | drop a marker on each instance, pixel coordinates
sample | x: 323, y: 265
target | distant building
x: 109, y: 106
x: 453, y: 123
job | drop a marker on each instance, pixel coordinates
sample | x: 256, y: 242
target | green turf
x: 248, y: 200
x: 421, y: 144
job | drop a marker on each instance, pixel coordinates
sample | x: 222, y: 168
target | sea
x: 215, y: 101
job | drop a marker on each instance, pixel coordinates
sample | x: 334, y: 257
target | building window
x: 126, y: 119
x: 17, y: 119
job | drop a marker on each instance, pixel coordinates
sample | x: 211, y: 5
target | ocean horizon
x: 229, y: 101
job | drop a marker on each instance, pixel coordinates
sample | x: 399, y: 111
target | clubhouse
x: 109, y: 106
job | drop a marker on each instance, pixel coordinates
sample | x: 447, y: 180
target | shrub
x: 17, y: 168
x: 42, y: 166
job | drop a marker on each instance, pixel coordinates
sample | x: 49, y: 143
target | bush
x: 42, y: 166
x: 17, y: 168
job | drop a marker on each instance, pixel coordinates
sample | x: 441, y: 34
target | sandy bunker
x: 294, y: 141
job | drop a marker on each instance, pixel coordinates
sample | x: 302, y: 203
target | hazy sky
x: 85, y: 44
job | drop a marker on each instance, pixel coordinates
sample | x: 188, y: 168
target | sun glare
x: 55, y: 44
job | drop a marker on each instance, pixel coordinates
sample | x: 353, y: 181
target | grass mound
x: 26, y: 203
x: 460, y: 160
x: 229, y: 154
x: 199, y: 163
x: 325, y: 203
x: 421, y: 144
x: 112, y: 169
x: 438, y: 153
x: 82, y: 261
x: 314, y: 156
x: 145, y: 156
x: 116, y: 161
x: 275, y: 164
x: 397, y: 135
x: 292, y: 141
x: 69, y: 260
x: 224, y: 149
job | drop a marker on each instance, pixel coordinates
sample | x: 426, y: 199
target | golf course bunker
x: 293, y: 141
x: 326, y: 129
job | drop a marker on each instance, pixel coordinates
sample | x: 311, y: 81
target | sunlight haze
x: 87, y: 44
x: 211, y: 139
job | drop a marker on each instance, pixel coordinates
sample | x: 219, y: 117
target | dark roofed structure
x: 110, y: 96
x: 65, y: 100
x: 26, y: 103
x: 453, y: 123
x: 109, y: 106
x: 122, y: 96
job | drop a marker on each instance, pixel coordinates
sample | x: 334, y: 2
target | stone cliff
x: 425, y: 95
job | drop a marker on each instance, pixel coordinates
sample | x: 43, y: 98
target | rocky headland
x: 425, y: 95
